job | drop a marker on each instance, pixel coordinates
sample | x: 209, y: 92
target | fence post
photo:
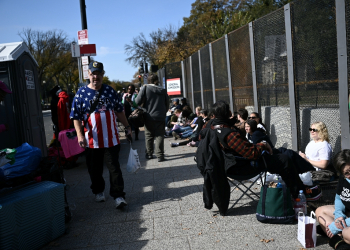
x: 342, y: 73
x: 192, y: 83
x: 289, y: 44
x: 252, y: 58
x: 183, y: 80
x: 229, y: 73
x: 200, y: 77
x: 212, y: 72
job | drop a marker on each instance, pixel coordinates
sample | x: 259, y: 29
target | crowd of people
x: 96, y: 107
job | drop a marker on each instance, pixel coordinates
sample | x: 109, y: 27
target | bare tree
x: 50, y: 49
x: 143, y: 49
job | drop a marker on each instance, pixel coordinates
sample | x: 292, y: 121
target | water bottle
x: 279, y: 185
x: 302, y: 198
x: 298, y: 207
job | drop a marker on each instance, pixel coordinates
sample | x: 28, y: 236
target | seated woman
x: 255, y: 116
x: 185, y: 128
x: 255, y: 135
x: 318, y: 152
x: 191, y: 141
x: 334, y: 219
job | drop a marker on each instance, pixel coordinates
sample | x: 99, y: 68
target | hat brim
x: 96, y: 69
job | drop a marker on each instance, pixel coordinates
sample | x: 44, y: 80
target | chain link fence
x: 301, y: 92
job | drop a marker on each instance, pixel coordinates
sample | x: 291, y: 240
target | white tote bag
x: 307, y: 230
x: 133, y: 162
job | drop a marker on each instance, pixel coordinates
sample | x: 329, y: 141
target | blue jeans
x: 182, y: 129
x: 186, y: 134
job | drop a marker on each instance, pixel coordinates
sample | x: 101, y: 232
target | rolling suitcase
x: 32, y: 215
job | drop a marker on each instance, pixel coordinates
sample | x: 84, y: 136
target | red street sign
x: 83, y: 37
x: 88, y: 50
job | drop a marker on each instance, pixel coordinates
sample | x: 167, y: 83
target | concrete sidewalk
x: 165, y: 211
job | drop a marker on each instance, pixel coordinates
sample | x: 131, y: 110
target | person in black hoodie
x: 155, y: 102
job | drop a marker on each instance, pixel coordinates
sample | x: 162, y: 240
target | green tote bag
x: 275, y: 206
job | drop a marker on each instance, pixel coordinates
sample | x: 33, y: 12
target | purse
x: 275, y: 206
x: 137, y: 118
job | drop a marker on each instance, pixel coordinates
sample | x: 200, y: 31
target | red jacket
x: 63, y: 111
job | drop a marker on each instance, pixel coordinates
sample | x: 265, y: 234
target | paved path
x: 165, y: 211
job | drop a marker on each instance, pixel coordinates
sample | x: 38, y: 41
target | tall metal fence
x: 291, y: 66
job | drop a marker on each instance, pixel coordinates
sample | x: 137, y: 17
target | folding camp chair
x: 238, y: 180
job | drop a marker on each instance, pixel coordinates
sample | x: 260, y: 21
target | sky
x: 111, y: 24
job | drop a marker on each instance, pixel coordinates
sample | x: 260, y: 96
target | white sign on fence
x: 173, y: 86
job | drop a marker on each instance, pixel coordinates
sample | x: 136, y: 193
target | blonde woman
x: 318, y: 152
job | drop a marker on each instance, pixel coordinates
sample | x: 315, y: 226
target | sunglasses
x: 313, y: 129
x: 252, y: 117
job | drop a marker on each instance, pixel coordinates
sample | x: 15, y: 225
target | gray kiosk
x: 21, y: 110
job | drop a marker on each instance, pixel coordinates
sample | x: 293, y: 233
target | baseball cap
x: 176, y: 100
x: 4, y: 88
x: 93, y: 66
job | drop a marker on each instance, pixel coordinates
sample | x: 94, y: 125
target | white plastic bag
x: 306, y: 178
x: 133, y: 162
x: 307, y: 230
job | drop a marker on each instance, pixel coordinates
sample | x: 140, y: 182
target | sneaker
x: 120, y: 202
x: 100, y: 197
x: 148, y: 157
x: 313, y: 194
x: 161, y: 158
x: 173, y: 144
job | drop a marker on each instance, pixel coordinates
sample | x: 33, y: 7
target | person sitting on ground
x: 242, y: 116
x: 318, y: 152
x: 334, y: 219
x: 186, y: 131
x: 184, y: 102
x: 189, y: 114
x: 171, y: 110
x: 257, y: 118
x: 184, y: 123
x: 233, y: 142
x: 256, y: 135
x: 193, y: 139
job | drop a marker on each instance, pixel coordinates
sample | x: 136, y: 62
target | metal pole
x: 192, y: 83
x: 252, y: 58
x: 342, y: 73
x: 200, y: 77
x: 212, y: 72
x: 289, y: 43
x: 80, y: 73
x: 229, y: 72
x: 83, y: 27
x: 183, y: 80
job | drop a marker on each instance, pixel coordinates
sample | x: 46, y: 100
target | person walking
x: 94, y: 111
x: 155, y: 102
x: 130, y: 105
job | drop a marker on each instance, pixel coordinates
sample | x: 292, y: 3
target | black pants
x: 94, y: 161
x: 282, y: 165
x: 299, y: 162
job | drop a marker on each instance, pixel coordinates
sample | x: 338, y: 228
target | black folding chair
x: 237, y: 180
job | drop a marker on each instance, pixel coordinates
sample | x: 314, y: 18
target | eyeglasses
x: 252, y: 117
x: 313, y: 129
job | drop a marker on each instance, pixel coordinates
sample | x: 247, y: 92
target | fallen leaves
x: 266, y: 240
